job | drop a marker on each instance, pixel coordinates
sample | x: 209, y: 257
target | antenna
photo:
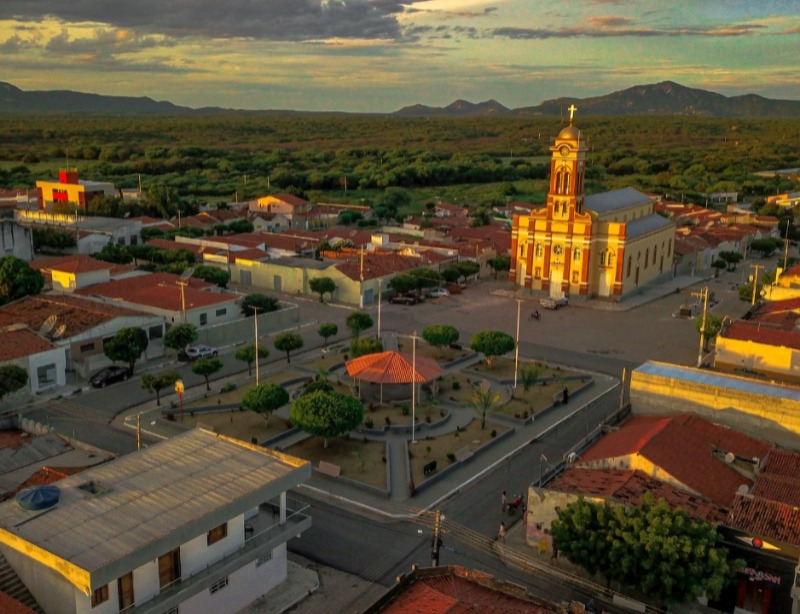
x: 48, y: 324
x: 58, y: 332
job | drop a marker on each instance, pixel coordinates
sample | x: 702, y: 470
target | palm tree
x: 484, y: 399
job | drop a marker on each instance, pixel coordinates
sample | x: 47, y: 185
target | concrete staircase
x: 11, y: 585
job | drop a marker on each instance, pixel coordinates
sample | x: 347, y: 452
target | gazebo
x: 393, y: 368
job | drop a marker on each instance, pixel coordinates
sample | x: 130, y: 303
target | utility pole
x: 516, y: 345
x: 436, y: 540
x: 786, y: 246
x: 754, y: 279
x: 255, y: 319
x: 703, y: 294
x: 622, y: 388
x: 139, y: 431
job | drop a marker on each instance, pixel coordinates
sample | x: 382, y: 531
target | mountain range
x: 665, y: 98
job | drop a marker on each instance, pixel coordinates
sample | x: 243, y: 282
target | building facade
x: 69, y: 190
x: 607, y: 245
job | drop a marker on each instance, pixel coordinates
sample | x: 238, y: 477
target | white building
x: 44, y: 361
x: 15, y: 240
x: 197, y: 524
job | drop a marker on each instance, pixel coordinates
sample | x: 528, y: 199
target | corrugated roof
x: 721, y: 380
x: 146, y: 498
x: 615, y: 199
x: 646, y: 224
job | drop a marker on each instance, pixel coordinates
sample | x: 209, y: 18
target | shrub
x: 369, y: 423
x: 451, y: 457
x: 456, y: 385
x: 388, y: 420
x: 405, y: 409
x: 493, y: 433
x: 229, y: 387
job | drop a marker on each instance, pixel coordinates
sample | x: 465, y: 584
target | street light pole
x: 380, y: 284
x: 704, y: 295
x: 755, y: 281
x: 413, y: 387
x: 255, y: 319
x: 516, y: 345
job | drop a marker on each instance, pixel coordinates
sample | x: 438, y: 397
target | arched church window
x: 567, y: 177
x: 655, y: 254
x: 630, y: 262
x: 669, y: 247
x: 539, y: 250
x: 610, y: 259
x: 522, y: 251
x: 646, y: 257
x: 576, y: 254
x: 575, y: 277
x: 559, y: 182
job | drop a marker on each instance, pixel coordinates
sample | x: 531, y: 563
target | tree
x: 212, y: 274
x: 327, y: 330
x: 440, y: 335
x: 127, y: 345
x: 732, y: 258
x: 206, y: 367
x: 765, y: 246
x: 262, y: 303
x: 322, y: 285
x: 326, y: 414
x: 528, y: 374
x: 425, y: 278
x: 12, y: 378
x: 357, y: 322
x: 499, y: 263
x: 265, y: 399
x: 115, y: 253
x: 718, y: 264
x: 179, y: 336
x: 662, y: 552
x: 451, y: 274
x: 288, y: 342
x: 367, y: 345
x: 712, y: 328
x: 402, y: 283
x: 156, y: 383
x: 466, y: 268
x: 484, y: 399
x: 492, y: 343
x: 248, y: 354
x: 18, y: 279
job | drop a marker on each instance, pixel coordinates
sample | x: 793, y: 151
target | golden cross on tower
x: 572, y: 108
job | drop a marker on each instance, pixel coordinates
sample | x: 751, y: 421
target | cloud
x: 104, y: 41
x: 287, y: 20
x: 609, y: 21
x: 602, y: 32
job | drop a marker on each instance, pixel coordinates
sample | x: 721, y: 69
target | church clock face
x: 558, y: 250
x: 564, y: 150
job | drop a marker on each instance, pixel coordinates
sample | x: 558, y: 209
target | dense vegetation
x: 477, y: 161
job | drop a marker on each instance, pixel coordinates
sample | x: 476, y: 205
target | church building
x: 606, y: 245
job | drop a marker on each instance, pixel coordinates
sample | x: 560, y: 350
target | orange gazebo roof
x: 393, y: 368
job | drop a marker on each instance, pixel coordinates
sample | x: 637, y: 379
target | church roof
x: 645, y: 225
x: 615, y: 199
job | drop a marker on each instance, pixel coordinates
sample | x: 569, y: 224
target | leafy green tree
x: 492, y: 343
x: 718, y: 264
x: 440, y: 335
x: 206, y: 367
x: 240, y: 226
x: 265, y: 399
x: 127, y: 345
x: 318, y: 383
x: 467, y: 268
x: 402, y: 283
x: 115, y: 253
x: 262, y: 303
x: 18, y: 279
x: 327, y: 330
x: 499, y: 264
x: 765, y: 246
x: 528, y: 375
x: 451, y: 274
x: 12, y: 378
x: 425, y: 278
x: 662, y: 552
x: 212, y: 274
x: 363, y: 346
x: 732, y: 258
x: 357, y: 322
x: 288, y: 342
x: 484, y: 399
x: 179, y: 336
x: 52, y: 238
x: 712, y: 328
x: 322, y: 285
x: 326, y: 414
x: 156, y: 383
x: 248, y: 354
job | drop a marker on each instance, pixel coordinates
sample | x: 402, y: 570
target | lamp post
x: 703, y: 294
x: 380, y: 284
x: 413, y: 387
x: 516, y: 345
x: 255, y: 320
x: 179, y: 389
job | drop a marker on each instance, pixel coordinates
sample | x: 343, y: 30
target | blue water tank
x: 38, y: 497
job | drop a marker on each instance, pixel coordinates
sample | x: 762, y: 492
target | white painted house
x: 185, y: 526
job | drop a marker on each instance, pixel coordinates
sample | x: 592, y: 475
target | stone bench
x: 329, y: 469
x: 463, y: 454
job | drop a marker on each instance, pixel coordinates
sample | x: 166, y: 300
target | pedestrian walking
x: 554, y: 556
x: 503, y: 502
x: 501, y: 533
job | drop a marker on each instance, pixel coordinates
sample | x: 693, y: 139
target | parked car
x: 404, y: 299
x: 109, y: 375
x: 438, y: 293
x: 554, y: 303
x: 200, y: 351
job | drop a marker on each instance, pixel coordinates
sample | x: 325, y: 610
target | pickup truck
x: 553, y: 303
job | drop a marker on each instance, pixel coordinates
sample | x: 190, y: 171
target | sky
x: 381, y: 55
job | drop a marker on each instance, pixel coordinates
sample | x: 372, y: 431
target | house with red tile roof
x: 177, y: 300
x: 269, y: 222
x: 442, y: 209
x: 295, y: 209
x: 80, y: 326
x: 786, y: 285
x: 71, y: 272
x: 44, y: 361
x: 324, y: 215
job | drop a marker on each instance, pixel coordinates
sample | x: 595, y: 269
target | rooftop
x: 615, y: 199
x: 77, y: 263
x: 766, y: 518
x: 19, y: 342
x: 151, y: 500
x: 764, y: 334
x: 643, y: 225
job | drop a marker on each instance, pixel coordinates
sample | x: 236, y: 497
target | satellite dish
x: 730, y: 457
x: 48, y: 325
x: 743, y: 489
x: 187, y: 273
x: 58, y: 332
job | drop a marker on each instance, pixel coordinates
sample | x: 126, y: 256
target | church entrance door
x: 556, y: 275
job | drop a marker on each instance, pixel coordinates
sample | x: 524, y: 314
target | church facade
x: 606, y: 245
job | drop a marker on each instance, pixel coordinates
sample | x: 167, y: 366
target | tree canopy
x: 206, y: 367
x: 288, y: 342
x: 18, y: 279
x: 247, y: 354
x: 712, y: 327
x: 440, y: 335
x: 663, y: 552
x: 327, y: 330
x: 127, y: 345
x: 179, y: 336
x: 499, y: 264
x: 326, y: 414
x: 363, y: 346
x: 212, y: 274
x: 155, y: 383
x: 262, y: 303
x: 492, y: 343
x: 322, y: 285
x: 12, y: 378
x: 357, y: 322
x: 265, y: 399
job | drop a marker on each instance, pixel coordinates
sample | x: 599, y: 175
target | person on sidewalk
x: 501, y: 533
x: 503, y: 502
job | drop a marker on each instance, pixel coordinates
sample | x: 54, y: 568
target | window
x: 99, y: 595
x: 46, y: 374
x: 539, y: 250
x: 203, y: 319
x: 87, y: 347
x: 155, y: 332
x: 218, y: 586
x: 576, y: 255
x: 169, y: 568
x: 221, y: 312
x: 575, y: 278
x: 537, y: 272
x: 264, y: 558
x: 603, y: 258
x: 217, y: 533
x: 646, y: 257
x: 522, y: 251
x: 655, y: 254
x: 669, y: 247
x: 630, y: 262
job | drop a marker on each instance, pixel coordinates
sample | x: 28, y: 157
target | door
x: 556, y: 276
x: 169, y: 568
x: 277, y: 283
x: 246, y: 277
x: 125, y: 590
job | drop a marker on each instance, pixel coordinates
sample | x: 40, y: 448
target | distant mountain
x: 666, y: 98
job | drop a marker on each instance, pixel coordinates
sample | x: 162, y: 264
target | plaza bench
x: 330, y: 469
x: 429, y: 468
x: 463, y: 454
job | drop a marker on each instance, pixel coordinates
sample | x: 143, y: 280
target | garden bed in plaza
x: 360, y: 460
x: 244, y: 425
x: 540, y: 396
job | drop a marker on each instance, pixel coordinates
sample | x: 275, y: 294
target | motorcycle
x: 516, y: 503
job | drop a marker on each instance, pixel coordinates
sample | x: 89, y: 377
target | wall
x: 777, y: 421
x: 67, y: 282
x: 51, y: 590
x: 16, y: 240
x: 56, y: 357
x: 771, y: 360
x: 145, y: 582
x: 243, y: 329
x: 196, y: 554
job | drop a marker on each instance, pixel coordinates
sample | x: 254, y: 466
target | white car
x: 438, y: 293
x: 200, y: 351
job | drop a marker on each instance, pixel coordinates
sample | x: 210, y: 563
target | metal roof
x: 646, y: 224
x: 615, y: 199
x: 721, y: 380
x: 147, y: 503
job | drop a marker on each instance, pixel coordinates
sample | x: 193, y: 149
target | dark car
x: 109, y: 375
x: 404, y: 299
